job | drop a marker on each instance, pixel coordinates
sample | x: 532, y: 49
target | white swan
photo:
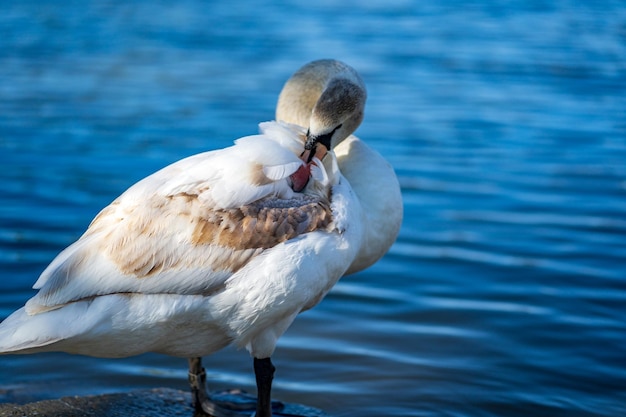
x: 218, y: 249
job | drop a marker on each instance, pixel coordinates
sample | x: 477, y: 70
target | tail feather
x: 24, y: 333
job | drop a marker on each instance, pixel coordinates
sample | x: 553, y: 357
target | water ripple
x: 505, y: 292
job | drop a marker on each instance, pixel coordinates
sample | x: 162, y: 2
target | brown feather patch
x: 260, y: 225
x: 180, y: 232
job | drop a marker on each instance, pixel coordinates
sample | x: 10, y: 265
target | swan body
x: 218, y: 248
x: 171, y: 266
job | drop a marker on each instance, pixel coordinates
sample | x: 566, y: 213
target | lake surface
x: 505, y: 294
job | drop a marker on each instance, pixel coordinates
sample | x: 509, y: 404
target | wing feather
x: 186, y: 228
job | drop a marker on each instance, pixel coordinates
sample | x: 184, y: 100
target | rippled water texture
x: 505, y: 293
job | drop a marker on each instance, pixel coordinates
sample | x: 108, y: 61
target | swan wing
x: 187, y: 228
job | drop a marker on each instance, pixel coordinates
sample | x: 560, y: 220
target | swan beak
x: 300, y: 178
x: 317, y: 149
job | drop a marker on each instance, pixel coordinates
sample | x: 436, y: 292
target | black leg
x: 200, y: 398
x: 236, y: 405
x: 264, y: 372
x: 197, y: 382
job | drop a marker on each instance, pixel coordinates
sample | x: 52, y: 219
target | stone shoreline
x: 145, y: 403
x: 156, y: 402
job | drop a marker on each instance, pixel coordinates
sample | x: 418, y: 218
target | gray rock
x: 145, y: 403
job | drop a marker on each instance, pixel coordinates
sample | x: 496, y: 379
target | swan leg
x: 200, y: 398
x: 264, y: 372
x: 239, y: 403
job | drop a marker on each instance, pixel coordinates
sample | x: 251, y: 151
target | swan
x: 227, y: 246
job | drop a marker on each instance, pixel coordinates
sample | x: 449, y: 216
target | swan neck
x: 375, y: 183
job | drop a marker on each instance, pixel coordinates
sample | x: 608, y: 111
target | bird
x: 225, y: 247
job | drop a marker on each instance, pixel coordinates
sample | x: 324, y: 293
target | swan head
x: 326, y: 97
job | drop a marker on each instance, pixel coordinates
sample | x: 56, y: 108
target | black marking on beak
x: 324, y: 139
x: 311, y: 154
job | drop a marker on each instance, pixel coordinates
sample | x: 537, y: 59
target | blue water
x: 505, y: 294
